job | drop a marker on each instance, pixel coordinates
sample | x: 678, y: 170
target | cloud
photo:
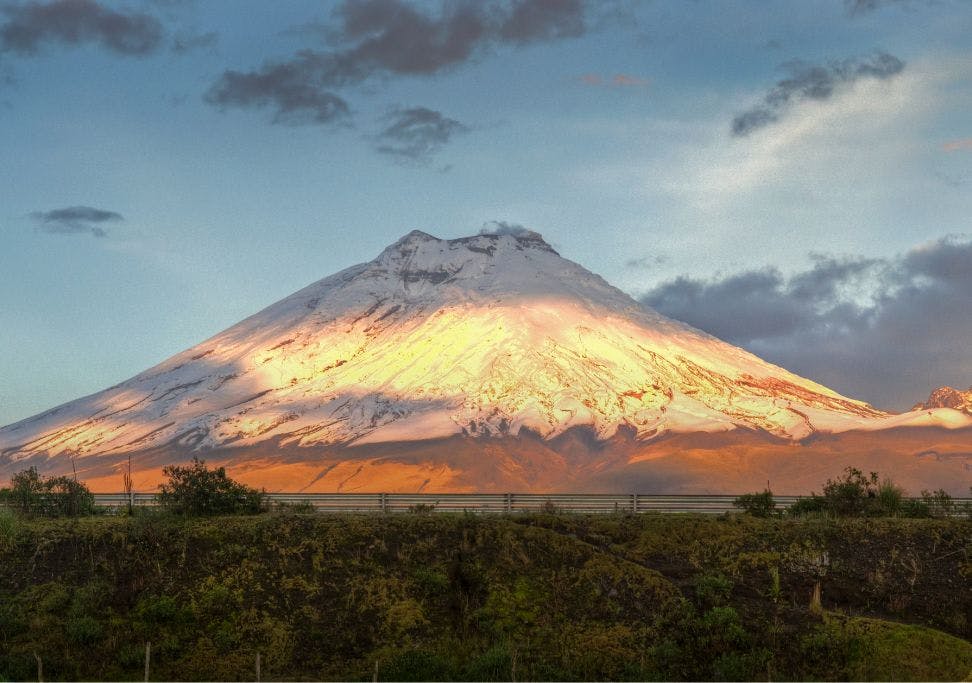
x: 505, y: 228
x: 31, y: 25
x: 373, y: 38
x: 183, y: 43
x: 74, y: 220
x: 813, y: 82
x: 535, y: 20
x: 646, y: 262
x: 293, y: 89
x: 857, y: 7
x: 417, y: 133
x: 956, y: 145
x: 864, y: 6
x: 886, y: 330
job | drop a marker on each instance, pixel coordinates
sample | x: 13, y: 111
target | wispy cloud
x: 504, y: 228
x: 956, y: 145
x: 813, y: 82
x: 183, y: 43
x: 416, y: 134
x: 294, y: 90
x: 646, y: 262
x: 858, y: 7
x: 29, y: 26
x: 75, y: 220
x: 615, y: 81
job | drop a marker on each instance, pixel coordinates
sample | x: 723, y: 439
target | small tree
x: 50, y: 497
x: 26, y: 491
x: 756, y: 504
x: 197, y: 490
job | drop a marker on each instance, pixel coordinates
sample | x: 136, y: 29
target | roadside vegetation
x: 543, y: 596
x: 855, y: 495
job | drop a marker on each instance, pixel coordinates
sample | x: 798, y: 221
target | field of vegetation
x: 428, y: 595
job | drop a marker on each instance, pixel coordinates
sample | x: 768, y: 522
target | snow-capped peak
x: 482, y: 335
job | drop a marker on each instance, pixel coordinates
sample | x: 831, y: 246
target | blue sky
x: 216, y: 180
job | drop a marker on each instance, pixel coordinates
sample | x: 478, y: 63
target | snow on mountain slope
x: 483, y: 335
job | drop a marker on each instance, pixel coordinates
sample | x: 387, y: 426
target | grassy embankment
x: 488, y: 598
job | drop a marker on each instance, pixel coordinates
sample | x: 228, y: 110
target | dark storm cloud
x: 27, y: 27
x: 373, y: 38
x: 73, y: 220
x: 813, y: 82
x: 415, y: 134
x: 890, y: 348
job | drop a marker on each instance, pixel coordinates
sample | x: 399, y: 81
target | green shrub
x: 30, y: 494
x: 301, y: 507
x: 851, y: 495
x: 756, y: 504
x: 915, y: 508
x: 495, y: 664
x: 939, y: 503
x: 415, y: 665
x: 197, y: 490
x: 65, y: 497
x: 712, y: 590
x: 807, y: 506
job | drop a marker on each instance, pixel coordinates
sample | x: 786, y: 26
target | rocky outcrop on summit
x: 947, y: 397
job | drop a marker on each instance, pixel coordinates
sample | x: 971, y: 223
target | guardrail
x: 586, y: 503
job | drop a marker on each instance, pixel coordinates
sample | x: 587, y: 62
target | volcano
x: 484, y: 363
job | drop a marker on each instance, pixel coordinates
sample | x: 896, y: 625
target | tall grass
x: 890, y: 497
x: 8, y: 528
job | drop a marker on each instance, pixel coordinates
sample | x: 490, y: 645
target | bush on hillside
x: 31, y: 494
x: 852, y: 495
x: 939, y: 503
x: 196, y: 490
x: 756, y: 504
x: 814, y: 504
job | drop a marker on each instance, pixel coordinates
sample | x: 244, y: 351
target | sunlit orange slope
x: 481, y: 363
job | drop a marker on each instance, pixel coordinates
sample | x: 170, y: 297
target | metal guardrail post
x: 634, y: 503
x: 384, y: 502
x: 509, y: 501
